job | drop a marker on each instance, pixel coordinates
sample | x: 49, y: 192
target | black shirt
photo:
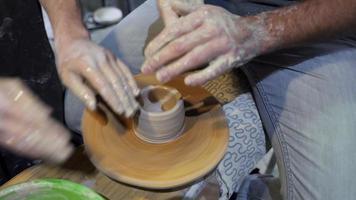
x: 26, y: 53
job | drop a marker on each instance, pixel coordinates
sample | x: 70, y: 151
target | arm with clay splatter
x: 86, y: 68
x: 309, y: 21
x: 211, y: 35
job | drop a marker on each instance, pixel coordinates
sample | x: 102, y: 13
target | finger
x: 194, y: 59
x: 183, y: 8
x: 182, y: 26
x: 116, y: 83
x: 167, y: 13
x: 128, y: 92
x: 61, y: 147
x: 18, y: 101
x: 179, y: 47
x: 47, y: 140
x: 100, y: 83
x: 120, y: 85
x: 76, y: 85
x: 131, y: 80
x: 215, y: 69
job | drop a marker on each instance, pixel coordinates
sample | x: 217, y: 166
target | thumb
x: 182, y: 8
x: 169, y: 16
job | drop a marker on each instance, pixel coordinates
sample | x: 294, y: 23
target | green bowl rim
x: 56, y: 183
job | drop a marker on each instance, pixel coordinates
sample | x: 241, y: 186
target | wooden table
x: 80, y: 170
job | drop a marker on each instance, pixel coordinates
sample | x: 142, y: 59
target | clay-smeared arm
x: 310, y: 20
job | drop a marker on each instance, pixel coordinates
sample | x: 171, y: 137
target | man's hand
x: 208, y: 34
x: 87, y: 68
x: 84, y: 67
x: 26, y: 127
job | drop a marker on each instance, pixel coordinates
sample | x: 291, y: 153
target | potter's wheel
x: 121, y: 155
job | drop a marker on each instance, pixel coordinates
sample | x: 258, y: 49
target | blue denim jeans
x: 306, y: 98
x: 307, y: 101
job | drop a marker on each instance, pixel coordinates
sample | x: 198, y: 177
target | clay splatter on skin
x: 228, y: 41
x: 211, y: 35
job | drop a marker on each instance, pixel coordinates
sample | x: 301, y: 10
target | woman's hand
x: 86, y: 69
x: 26, y: 127
x: 205, y: 35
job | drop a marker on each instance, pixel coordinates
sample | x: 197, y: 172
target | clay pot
x: 161, y: 116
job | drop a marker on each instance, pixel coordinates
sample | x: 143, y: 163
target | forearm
x: 66, y: 20
x: 309, y: 21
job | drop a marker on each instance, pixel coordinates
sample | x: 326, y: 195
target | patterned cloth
x: 246, y: 147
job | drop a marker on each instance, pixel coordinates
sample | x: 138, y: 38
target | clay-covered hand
x: 170, y: 10
x: 26, y: 127
x: 207, y: 35
x: 86, y: 69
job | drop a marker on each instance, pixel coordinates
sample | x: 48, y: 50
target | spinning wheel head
x: 195, y: 145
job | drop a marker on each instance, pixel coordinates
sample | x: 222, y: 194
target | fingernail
x: 91, y: 104
x: 128, y: 113
x: 188, y: 81
x: 136, y: 92
x: 62, y: 154
x: 145, y: 68
x: 131, y: 113
x: 135, y: 107
x: 132, y: 110
x: 161, y: 76
x: 119, y: 110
